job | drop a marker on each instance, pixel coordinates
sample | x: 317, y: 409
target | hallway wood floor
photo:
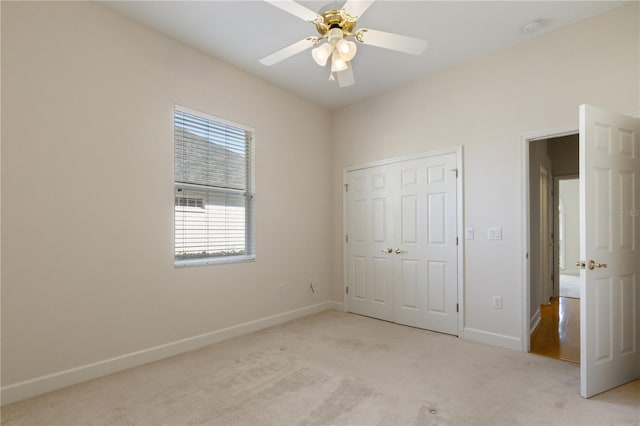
x: 558, y: 334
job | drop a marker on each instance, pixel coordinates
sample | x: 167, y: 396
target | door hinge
x: 455, y: 170
x: 347, y: 288
x: 346, y: 187
x: 457, y: 308
x: 456, y: 240
x: 346, y: 238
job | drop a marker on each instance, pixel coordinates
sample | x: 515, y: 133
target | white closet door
x: 425, y: 270
x: 370, y: 199
x: 401, y: 253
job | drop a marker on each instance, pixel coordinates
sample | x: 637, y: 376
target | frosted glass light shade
x: 337, y: 63
x: 321, y: 54
x: 347, y: 49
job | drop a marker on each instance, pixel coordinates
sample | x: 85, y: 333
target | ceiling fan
x: 338, y: 27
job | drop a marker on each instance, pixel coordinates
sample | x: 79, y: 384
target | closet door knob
x: 592, y: 265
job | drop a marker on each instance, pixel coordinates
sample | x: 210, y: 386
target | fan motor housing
x: 333, y: 19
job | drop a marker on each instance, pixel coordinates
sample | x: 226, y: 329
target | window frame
x: 249, y: 194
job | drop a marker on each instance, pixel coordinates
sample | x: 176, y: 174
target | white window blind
x: 213, y: 211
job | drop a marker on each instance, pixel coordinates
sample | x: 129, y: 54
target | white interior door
x: 370, y: 198
x: 609, y: 245
x: 425, y: 273
x: 402, y: 249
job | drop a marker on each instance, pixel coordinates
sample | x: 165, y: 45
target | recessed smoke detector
x: 532, y: 27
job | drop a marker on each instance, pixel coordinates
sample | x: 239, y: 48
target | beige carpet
x: 337, y: 369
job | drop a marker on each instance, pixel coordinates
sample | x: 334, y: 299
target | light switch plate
x: 468, y: 234
x: 494, y: 233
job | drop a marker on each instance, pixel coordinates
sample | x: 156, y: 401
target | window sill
x: 214, y: 261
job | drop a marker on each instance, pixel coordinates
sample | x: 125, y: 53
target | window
x: 213, y: 193
x: 197, y: 202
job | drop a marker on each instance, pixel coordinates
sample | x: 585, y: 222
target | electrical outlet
x: 497, y: 302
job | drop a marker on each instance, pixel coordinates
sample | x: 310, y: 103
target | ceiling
x: 243, y: 32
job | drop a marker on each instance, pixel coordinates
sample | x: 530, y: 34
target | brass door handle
x: 592, y: 265
x: 398, y: 251
x: 387, y: 250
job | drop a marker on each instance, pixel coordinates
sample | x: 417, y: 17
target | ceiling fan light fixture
x: 338, y: 28
x: 347, y: 49
x: 321, y: 54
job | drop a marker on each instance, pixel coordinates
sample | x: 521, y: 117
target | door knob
x: 592, y: 265
x: 387, y: 250
x: 398, y: 251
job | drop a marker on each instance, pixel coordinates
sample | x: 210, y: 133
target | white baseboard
x: 535, y: 321
x: 338, y: 306
x: 61, y: 379
x: 494, y: 339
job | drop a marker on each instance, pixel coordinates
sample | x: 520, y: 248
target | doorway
x: 554, y: 240
x: 609, y: 172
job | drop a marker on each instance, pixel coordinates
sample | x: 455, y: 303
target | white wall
x: 486, y: 105
x: 87, y: 192
x: 570, y: 196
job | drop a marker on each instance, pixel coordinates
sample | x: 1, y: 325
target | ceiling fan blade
x: 295, y: 9
x: 345, y: 78
x: 414, y: 46
x: 356, y: 8
x: 288, y: 51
